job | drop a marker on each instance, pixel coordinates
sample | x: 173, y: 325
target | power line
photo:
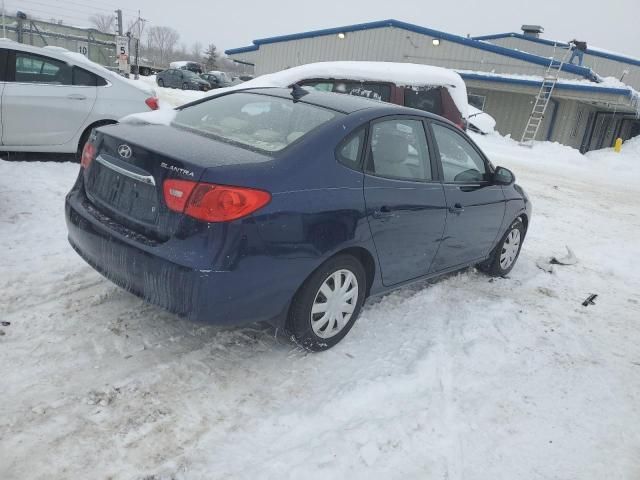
x: 47, y: 14
x: 74, y: 7
x: 59, y: 8
x: 111, y: 9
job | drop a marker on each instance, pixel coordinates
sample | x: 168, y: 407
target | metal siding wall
x: 567, y: 121
x: 602, y: 66
x: 386, y: 44
x: 508, y: 109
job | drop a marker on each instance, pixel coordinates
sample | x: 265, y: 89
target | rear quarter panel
x: 317, y: 207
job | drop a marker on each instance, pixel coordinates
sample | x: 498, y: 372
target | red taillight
x: 213, y: 203
x: 152, y: 103
x: 88, y: 154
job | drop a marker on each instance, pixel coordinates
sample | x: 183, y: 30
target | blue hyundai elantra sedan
x: 290, y: 207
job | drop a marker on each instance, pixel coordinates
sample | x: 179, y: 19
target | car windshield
x: 254, y: 120
x: 189, y: 74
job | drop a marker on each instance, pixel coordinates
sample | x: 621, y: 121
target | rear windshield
x: 374, y: 90
x: 257, y: 121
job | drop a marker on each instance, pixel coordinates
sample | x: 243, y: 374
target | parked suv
x: 184, y: 79
x: 194, y: 67
x: 52, y: 98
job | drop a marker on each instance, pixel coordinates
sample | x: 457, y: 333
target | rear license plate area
x: 123, y: 194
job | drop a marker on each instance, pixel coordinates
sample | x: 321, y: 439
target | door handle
x: 457, y: 209
x: 383, y: 212
x: 76, y: 96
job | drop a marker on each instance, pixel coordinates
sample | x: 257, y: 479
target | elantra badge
x: 173, y: 168
x: 124, y: 151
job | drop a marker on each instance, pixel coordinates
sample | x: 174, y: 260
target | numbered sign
x: 83, y: 48
x: 122, y: 46
x: 122, y: 53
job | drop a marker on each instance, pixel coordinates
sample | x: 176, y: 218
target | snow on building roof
x: 469, y: 42
x: 610, y: 85
x: 596, y: 51
x: 605, y: 85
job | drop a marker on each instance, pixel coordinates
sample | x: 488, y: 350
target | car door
x: 179, y: 78
x: 476, y: 207
x: 170, y: 78
x: 43, y: 105
x: 405, y: 204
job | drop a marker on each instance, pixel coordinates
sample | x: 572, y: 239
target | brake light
x: 213, y: 203
x: 152, y: 103
x: 88, y: 155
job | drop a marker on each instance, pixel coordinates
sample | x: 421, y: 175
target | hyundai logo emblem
x: 124, y: 151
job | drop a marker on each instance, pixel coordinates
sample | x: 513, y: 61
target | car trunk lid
x: 125, y: 181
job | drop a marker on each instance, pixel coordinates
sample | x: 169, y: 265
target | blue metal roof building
x: 501, y: 78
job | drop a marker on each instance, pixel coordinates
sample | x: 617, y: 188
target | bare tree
x: 161, y: 43
x: 196, y: 52
x: 102, y: 22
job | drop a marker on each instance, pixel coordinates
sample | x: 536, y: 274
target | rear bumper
x: 200, y: 294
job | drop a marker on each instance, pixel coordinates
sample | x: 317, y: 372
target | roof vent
x: 532, y: 30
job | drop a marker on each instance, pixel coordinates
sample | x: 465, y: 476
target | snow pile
x: 172, y: 97
x: 465, y: 378
x: 482, y: 121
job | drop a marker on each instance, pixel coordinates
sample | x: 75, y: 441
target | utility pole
x: 140, y: 25
x: 119, y: 21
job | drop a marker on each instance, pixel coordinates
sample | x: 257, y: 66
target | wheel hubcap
x: 334, y: 303
x: 510, y: 249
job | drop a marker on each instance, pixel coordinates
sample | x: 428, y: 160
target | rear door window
x: 261, y: 122
x: 83, y: 78
x: 399, y: 150
x: 428, y: 99
x: 32, y: 68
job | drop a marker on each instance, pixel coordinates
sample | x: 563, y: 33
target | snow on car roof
x: 402, y: 74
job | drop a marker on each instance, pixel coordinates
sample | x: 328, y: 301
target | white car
x: 51, y: 98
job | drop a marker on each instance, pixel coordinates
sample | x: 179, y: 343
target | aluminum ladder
x: 542, y: 99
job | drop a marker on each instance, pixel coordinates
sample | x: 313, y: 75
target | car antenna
x: 297, y: 92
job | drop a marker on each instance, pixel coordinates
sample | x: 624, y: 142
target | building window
x: 476, y: 101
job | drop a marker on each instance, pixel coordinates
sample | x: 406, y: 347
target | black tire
x: 185, y: 86
x: 492, y: 266
x: 85, y: 137
x: 160, y: 82
x: 299, y: 322
x: 83, y: 140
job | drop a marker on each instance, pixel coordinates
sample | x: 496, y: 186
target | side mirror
x: 503, y: 176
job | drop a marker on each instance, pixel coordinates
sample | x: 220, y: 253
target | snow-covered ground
x: 466, y: 378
